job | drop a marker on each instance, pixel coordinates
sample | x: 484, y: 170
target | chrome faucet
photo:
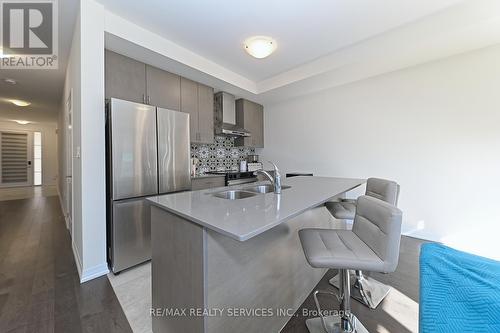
x: 275, y: 181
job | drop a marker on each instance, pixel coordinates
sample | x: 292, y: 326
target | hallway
x: 39, y: 284
x: 17, y: 193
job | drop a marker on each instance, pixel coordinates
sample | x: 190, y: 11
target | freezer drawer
x: 131, y: 233
x: 133, y: 146
x: 174, y: 151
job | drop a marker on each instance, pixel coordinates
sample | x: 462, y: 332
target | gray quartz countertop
x: 243, y: 219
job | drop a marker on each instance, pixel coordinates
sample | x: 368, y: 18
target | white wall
x: 434, y: 128
x: 85, y: 76
x: 49, y: 146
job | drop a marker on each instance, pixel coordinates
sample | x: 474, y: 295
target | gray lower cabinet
x: 198, y: 100
x: 203, y: 183
x: 125, y: 78
x: 250, y: 116
x: 163, y: 89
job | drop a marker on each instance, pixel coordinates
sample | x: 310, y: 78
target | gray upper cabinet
x: 198, y: 100
x: 189, y: 104
x: 125, y: 78
x: 163, y: 89
x: 134, y: 81
x: 250, y: 116
x: 205, y: 113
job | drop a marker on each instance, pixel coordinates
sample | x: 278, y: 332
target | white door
x: 15, y: 159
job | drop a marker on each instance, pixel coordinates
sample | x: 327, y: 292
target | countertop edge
x: 254, y: 233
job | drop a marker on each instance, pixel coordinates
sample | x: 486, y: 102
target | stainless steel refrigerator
x: 148, y: 153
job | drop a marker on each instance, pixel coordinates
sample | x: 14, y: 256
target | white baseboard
x: 78, y: 261
x: 89, y: 273
x: 94, y: 272
x: 63, y: 209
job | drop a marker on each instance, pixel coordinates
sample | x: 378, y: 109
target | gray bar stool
x: 372, y: 244
x: 372, y: 291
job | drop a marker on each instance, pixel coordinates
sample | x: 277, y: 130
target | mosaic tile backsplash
x: 220, y: 156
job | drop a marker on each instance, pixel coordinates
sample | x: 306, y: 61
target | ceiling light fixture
x: 260, y: 46
x: 19, y: 102
x: 22, y: 122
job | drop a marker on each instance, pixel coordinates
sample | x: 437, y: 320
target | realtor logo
x: 29, y: 34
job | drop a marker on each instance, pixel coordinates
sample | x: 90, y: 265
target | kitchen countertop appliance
x: 147, y: 153
x: 251, y: 167
x: 252, y: 158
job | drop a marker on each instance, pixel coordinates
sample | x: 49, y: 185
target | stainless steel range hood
x: 225, y: 116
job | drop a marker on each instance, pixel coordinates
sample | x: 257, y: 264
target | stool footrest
x: 366, y: 290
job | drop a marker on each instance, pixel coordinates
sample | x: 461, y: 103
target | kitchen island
x: 221, y: 265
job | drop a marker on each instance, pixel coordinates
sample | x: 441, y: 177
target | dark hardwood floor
x: 398, y: 313
x: 40, y: 289
x: 39, y: 284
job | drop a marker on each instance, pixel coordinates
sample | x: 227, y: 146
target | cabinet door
x: 125, y: 78
x: 205, y: 114
x: 241, y: 122
x: 250, y: 116
x: 258, y: 126
x: 189, y: 104
x: 208, y: 182
x: 163, y: 88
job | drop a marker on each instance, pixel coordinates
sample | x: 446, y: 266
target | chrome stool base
x: 371, y: 292
x: 315, y: 325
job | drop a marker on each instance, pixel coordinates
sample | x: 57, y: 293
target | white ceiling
x: 304, y: 30
x: 43, y: 88
x: 320, y: 43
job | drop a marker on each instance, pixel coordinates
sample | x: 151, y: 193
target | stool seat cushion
x: 343, y: 210
x: 341, y: 249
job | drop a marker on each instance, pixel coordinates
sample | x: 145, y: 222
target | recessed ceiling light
x: 19, y: 102
x: 260, y: 46
x: 22, y: 122
x: 9, y: 81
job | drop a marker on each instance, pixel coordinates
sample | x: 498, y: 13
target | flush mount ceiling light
x: 19, y: 102
x: 22, y: 122
x: 260, y: 46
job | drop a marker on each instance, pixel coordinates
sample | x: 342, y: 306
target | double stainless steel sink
x: 234, y: 194
x: 247, y: 192
x: 267, y: 188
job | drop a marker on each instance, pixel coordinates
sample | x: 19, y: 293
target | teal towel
x: 459, y: 292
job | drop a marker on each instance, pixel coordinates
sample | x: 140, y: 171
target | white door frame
x: 30, y: 158
x: 68, y: 141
